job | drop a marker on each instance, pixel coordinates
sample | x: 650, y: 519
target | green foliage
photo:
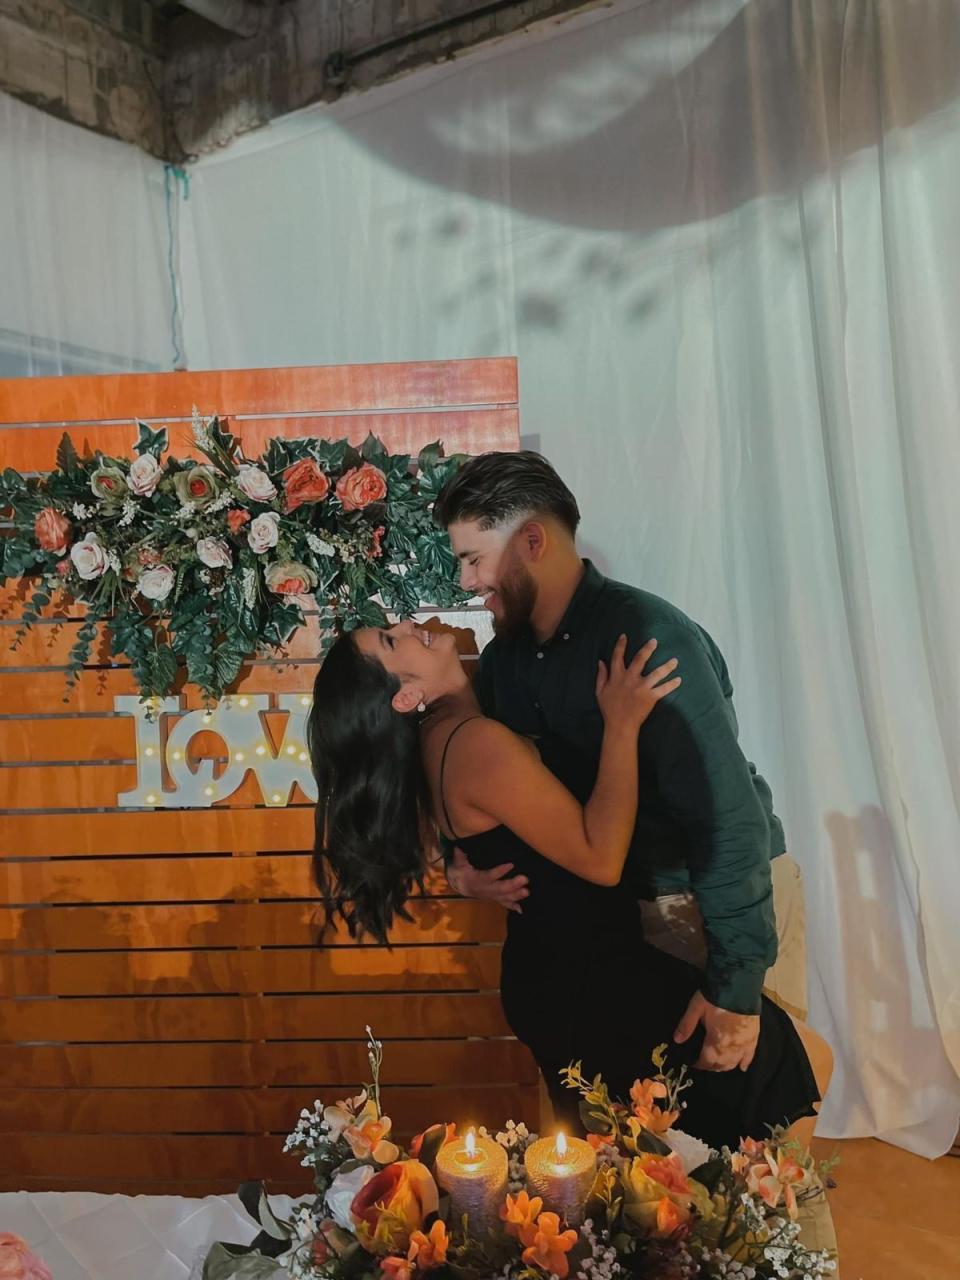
x: 170, y: 613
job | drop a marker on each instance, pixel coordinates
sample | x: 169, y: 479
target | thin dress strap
x: 443, y: 765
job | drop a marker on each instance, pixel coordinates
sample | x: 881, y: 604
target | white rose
x: 692, y: 1152
x: 264, y: 532
x: 214, y: 553
x: 256, y: 484
x: 89, y: 558
x: 341, y: 1192
x: 145, y: 474
x: 156, y: 584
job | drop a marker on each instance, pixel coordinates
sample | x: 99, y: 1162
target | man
x: 706, y: 838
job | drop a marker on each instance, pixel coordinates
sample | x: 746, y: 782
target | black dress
x: 579, y: 982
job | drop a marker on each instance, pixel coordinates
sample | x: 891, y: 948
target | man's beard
x: 518, y: 595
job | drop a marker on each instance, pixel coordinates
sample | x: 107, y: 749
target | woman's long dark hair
x: 372, y: 819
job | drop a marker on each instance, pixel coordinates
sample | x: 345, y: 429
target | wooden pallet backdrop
x: 165, y: 1011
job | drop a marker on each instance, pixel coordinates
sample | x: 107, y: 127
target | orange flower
x: 428, y: 1251
x: 668, y: 1171
x: 670, y: 1218
x: 643, y: 1096
x: 550, y: 1246
x: 304, y: 481
x: 236, y: 519
x: 450, y: 1132
x: 599, y: 1140
x: 392, y: 1205
x: 519, y: 1215
x: 772, y: 1179
x: 53, y: 531
x: 356, y: 489
x: 395, y: 1268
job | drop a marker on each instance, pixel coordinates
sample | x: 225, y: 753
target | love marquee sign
x: 163, y: 751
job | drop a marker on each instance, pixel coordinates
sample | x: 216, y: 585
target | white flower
x: 341, y: 1193
x: 692, y: 1152
x: 319, y: 546
x: 256, y: 484
x: 145, y: 474
x: 129, y: 512
x: 264, y: 532
x: 81, y: 512
x: 89, y: 557
x: 214, y: 553
x: 156, y: 584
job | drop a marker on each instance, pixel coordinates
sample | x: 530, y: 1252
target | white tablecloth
x: 82, y: 1236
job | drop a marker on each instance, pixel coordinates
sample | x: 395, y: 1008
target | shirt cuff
x: 737, y: 990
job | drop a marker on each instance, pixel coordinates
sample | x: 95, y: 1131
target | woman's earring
x: 422, y: 707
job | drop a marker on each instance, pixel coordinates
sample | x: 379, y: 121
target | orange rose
x: 450, y: 1132
x: 52, y: 530
x: 304, y: 482
x: 290, y: 578
x: 667, y: 1170
x: 356, y: 489
x: 393, y: 1204
x: 670, y: 1218
x: 395, y: 1268
x: 236, y: 519
x: 550, y: 1246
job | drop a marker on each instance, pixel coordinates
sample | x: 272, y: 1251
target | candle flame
x: 471, y: 1143
x: 561, y: 1144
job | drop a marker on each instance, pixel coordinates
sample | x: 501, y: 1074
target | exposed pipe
x: 242, y: 17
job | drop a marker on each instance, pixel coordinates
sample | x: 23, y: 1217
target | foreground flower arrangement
x: 17, y: 1262
x: 659, y: 1205
x: 208, y: 564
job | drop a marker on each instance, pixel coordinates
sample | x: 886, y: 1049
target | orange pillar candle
x: 561, y: 1171
x: 474, y: 1172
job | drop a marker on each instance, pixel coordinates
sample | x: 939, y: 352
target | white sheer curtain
x: 85, y: 285
x: 721, y: 237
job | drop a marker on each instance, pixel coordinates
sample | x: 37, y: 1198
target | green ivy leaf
x: 150, y: 441
x: 68, y: 460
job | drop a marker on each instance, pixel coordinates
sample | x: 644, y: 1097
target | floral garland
x: 663, y: 1206
x: 205, y: 565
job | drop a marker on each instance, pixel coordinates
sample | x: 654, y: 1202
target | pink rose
x: 256, y: 484
x: 156, y: 584
x: 53, y: 530
x: 17, y: 1262
x: 289, y: 578
x: 264, y: 532
x: 356, y: 489
x: 145, y: 474
x: 214, y: 553
x: 89, y: 558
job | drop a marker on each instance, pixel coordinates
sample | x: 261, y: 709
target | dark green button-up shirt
x: 705, y: 818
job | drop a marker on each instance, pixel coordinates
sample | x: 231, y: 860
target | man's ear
x: 407, y: 698
x: 533, y: 540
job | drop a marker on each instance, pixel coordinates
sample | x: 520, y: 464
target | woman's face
x: 425, y: 662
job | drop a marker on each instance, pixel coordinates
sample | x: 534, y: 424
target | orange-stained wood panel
x: 460, y: 431
x: 287, y: 969
x: 146, y: 1186
x: 315, y: 1064
x: 224, y: 924
x: 309, y: 389
x: 58, y: 835
x: 183, y: 1157
x: 182, y: 879
x: 253, y: 1111
x: 215, y: 1017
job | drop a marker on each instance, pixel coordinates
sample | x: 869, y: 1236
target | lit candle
x: 561, y: 1171
x: 475, y: 1175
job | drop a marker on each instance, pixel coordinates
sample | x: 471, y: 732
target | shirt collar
x: 582, y: 601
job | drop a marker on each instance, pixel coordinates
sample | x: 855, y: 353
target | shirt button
x: 566, y: 635
x: 540, y: 655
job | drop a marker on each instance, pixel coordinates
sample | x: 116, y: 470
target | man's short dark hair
x: 497, y: 487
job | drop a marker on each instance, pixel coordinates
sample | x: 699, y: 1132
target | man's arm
x: 706, y: 787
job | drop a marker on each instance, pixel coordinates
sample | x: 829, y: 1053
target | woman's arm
x: 493, y: 777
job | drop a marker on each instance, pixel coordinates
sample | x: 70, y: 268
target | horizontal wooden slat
x: 254, y: 1111
x: 129, y: 1156
x: 23, y: 692
x: 328, y: 1066
x: 310, y: 389
x: 102, y: 738
x: 94, y: 1020
x: 57, y: 835
x: 111, y: 973
x: 290, y: 924
x: 460, y: 431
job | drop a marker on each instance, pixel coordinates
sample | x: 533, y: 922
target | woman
x: 401, y: 751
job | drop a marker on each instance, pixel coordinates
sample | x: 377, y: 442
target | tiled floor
x: 897, y: 1216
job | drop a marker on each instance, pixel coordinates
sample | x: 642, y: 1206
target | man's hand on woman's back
x: 495, y: 885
